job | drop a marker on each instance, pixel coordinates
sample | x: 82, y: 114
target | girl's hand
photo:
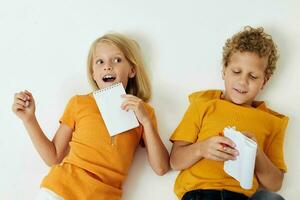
x: 218, y: 148
x: 135, y: 104
x: 24, y: 106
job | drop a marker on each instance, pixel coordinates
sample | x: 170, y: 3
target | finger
x: 22, y: 96
x: 128, y: 96
x: 128, y: 102
x: 28, y: 94
x: 18, y: 107
x: 21, y: 102
x: 226, y: 141
x: 224, y: 156
x: 227, y: 149
x: 131, y: 97
x: 129, y: 107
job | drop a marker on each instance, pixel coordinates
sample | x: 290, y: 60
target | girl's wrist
x: 30, y: 119
x: 147, y: 124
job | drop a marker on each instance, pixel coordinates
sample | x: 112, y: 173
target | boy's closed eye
x: 236, y: 71
x: 253, y: 77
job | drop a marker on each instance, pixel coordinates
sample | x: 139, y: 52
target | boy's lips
x: 240, y: 91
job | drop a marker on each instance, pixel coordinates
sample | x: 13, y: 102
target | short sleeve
x: 68, y: 117
x: 189, y: 127
x: 274, y: 150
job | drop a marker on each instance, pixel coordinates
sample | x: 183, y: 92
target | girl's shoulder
x: 81, y: 98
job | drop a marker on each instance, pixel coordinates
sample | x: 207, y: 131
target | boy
x: 249, y: 59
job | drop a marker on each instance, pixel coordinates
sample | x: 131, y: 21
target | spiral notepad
x: 109, y: 102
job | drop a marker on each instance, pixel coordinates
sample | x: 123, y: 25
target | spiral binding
x: 107, y: 88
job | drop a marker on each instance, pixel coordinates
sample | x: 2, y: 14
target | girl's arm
x: 269, y: 176
x: 157, y: 153
x: 185, y: 154
x: 52, y: 152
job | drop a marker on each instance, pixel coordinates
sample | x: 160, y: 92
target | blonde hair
x: 139, y: 85
x: 252, y: 40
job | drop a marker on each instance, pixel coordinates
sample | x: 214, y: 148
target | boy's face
x: 244, y: 77
x: 110, y: 66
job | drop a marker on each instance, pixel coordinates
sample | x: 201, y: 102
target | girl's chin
x: 107, y: 84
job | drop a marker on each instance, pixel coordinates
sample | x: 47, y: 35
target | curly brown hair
x: 252, y: 40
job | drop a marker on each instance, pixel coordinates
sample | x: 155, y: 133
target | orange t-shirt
x: 207, y: 116
x: 96, y: 164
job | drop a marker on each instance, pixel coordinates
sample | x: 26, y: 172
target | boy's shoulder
x: 204, y: 96
x: 261, y: 105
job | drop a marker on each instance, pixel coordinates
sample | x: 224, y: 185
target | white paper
x: 109, y: 102
x: 242, y: 168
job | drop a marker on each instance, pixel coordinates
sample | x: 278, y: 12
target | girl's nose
x: 107, y: 67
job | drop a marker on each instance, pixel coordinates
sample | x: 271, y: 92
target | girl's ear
x: 132, y: 73
x: 93, y: 75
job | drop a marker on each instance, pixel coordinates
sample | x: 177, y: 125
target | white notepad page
x: 242, y: 168
x: 109, y: 102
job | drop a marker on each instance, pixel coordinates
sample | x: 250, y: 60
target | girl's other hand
x: 24, y: 105
x: 135, y: 104
x: 218, y: 148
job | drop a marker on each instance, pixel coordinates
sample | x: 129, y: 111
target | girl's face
x: 110, y: 66
x: 244, y: 77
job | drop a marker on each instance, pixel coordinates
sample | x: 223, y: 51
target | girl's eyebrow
x: 117, y: 54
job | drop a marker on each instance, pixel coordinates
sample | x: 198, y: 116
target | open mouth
x: 109, y: 78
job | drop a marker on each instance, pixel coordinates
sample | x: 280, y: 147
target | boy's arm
x: 269, y: 176
x: 185, y: 154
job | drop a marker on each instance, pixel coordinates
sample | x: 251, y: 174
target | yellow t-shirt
x: 96, y: 164
x: 207, y: 116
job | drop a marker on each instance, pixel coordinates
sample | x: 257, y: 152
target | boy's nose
x: 243, y: 80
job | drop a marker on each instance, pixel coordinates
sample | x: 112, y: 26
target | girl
x: 86, y: 164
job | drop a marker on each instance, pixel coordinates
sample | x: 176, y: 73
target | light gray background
x: 44, y: 45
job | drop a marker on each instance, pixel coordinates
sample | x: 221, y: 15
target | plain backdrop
x: 44, y: 46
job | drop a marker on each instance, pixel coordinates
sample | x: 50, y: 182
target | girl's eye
x: 100, y: 61
x: 117, y: 60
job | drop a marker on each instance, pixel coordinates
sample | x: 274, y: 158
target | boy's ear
x: 223, y: 73
x: 132, y: 72
x: 265, y: 82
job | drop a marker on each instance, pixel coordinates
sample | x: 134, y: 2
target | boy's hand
x: 24, y: 105
x: 218, y: 148
x: 135, y: 104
